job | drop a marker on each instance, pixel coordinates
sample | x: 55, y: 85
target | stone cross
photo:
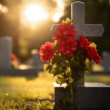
x: 5, y: 50
x: 78, y: 18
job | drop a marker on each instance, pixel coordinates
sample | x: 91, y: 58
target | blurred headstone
x: 5, y: 50
x: 105, y: 61
x: 36, y: 57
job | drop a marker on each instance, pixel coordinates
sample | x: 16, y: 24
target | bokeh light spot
x: 56, y: 17
x: 35, y: 13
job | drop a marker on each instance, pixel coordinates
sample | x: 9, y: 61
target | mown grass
x: 30, y: 93
x: 17, y: 93
x: 105, y: 78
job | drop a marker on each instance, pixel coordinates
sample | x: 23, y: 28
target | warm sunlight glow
x: 22, y: 67
x: 60, y: 3
x: 3, y: 9
x: 34, y: 51
x: 56, y: 17
x: 35, y: 13
x: 59, y: 10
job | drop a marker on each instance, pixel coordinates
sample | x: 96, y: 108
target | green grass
x: 16, y: 93
x: 29, y: 93
x: 98, y: 78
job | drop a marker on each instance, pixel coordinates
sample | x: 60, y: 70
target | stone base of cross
x: 90, y: 96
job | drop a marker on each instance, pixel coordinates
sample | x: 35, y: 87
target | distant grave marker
x: 5, y: 60
x: 105, y: 61
x: 5, y: 50
x: 36, y: 57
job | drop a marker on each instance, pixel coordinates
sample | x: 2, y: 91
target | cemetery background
x: 26, y: 38
x: 25, y: 35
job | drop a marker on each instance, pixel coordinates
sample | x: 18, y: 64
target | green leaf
x: 80, y: 80
x: 78, y: 107
x: 60, y: 80
x: 47, y: 67
x: 71, y: 91
x: 54, y: 60
x: 68, y: 100
x: 64, y: 64
x: 50, y: 69
x: 45, y: 103
x: 70, y: 80
x: 56, y: 71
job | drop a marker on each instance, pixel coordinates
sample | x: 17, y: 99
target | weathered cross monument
x: 90, y: 96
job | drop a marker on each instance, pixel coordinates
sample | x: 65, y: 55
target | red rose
x: 83, y: 42
x: 67, y: 47
x: 46, y: 51
x: 91, y: 52
x: 13, y: 57
x: 64, y: 30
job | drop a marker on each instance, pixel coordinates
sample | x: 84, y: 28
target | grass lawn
x: 31, y: 93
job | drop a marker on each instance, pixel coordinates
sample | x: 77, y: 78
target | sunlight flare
x: 35, y: 13
x: 56, y: 17
x: 59, y: 11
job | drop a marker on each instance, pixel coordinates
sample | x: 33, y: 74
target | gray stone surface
x: 5, y: 50
x: 105, y: 61
x: 78, y: 17
x: 36, y: 57
x: 92, y: 96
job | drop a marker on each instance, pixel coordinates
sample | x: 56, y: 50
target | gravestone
x: 5, y: 50
x: 37, y: 63
x: 90, y: 96
x: 35, y: 56
x: 105, y: 61
x: 104, y: 65
x: 78, y: 17
x: 5, y: 60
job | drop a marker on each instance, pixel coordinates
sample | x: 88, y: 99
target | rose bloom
x: 67, y: 47
x: 64, y: 30
x: 13, y: 57
x: 83, y: 42
x: 91, y: 52
x: 47, y: 52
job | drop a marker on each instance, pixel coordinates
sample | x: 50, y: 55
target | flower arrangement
x: 69, y: 59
